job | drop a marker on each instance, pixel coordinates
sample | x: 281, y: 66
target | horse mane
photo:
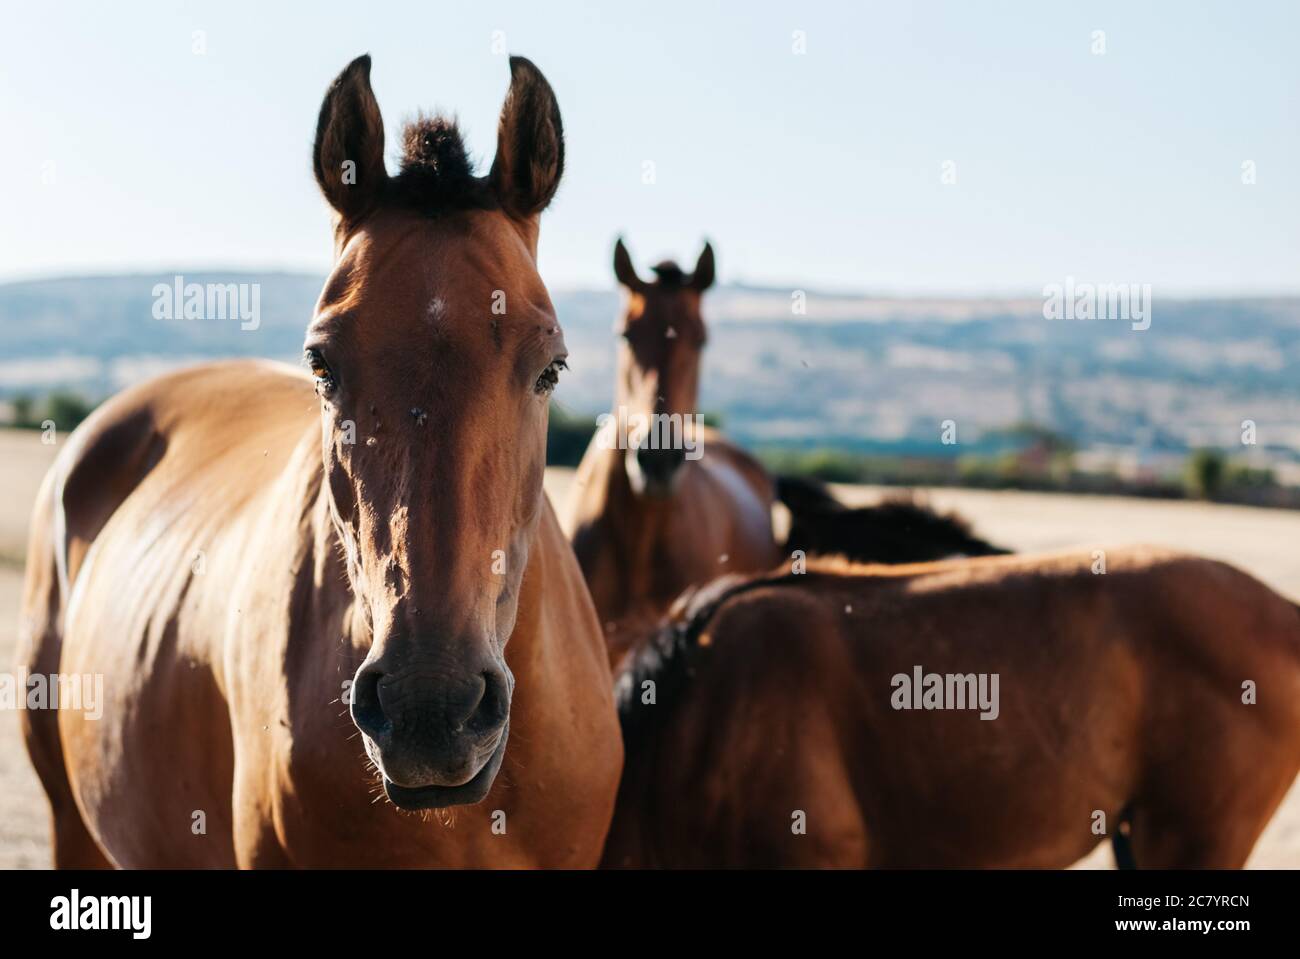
x: 436, y: 173
x: 668, y: 653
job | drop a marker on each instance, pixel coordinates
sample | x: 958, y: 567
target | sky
x: 124, y: 149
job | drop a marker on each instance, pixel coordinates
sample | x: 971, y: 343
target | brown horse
x: 651, y: 519
x: 662, y: 502
x: 240, y: 559
x: 1005, y: 711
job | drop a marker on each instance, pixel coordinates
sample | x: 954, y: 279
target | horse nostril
x: 367, y: 708
x: 493, y: 706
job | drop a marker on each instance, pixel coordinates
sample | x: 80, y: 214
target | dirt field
x: 24, y: 831
x: 1267, y: 543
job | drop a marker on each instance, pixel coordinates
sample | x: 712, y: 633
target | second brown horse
x: 1007, y: 711
x: 662, y: 502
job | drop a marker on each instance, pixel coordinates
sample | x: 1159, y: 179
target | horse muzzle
x: 654, y: 472
x: 437, y: 797
x: 437, y: 739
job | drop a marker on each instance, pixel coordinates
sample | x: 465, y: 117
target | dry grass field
x: 1264, y: 542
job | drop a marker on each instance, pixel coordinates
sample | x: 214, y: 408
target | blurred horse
x: 242, y: 560
x: 662, y: 502
x: 896, y: 530
x: 1005, y: 711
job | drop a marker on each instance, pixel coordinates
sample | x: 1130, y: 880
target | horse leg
x: 74, y: 847
x: 1162, y: 840
x: 40, y: 646
x: 1211, y: 816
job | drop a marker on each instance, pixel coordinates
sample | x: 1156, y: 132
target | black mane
x: 669, y: 654
x: 436, y: 172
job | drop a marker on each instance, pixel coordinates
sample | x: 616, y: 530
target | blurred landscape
x: 848, y: 387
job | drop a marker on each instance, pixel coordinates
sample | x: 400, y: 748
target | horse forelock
x: 669, y: 274
x: 436, y: 172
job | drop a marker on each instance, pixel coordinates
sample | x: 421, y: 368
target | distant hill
x: 870, y: 373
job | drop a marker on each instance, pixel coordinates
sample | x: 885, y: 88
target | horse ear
x: 623, y: 268
x: 702, y: 278
x: 349, y: 153
x: 530, y: 143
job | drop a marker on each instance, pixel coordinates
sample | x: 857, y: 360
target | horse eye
x: 546, y: 383
x: 320, y: 370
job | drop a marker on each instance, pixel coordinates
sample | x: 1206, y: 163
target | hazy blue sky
x: 122, y: 149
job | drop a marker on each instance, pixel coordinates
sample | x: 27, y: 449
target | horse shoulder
x: 724, y: 454
x: 734, y: 495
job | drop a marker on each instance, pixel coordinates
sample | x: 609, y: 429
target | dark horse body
x: 762, y: 727
x: 897, y: 530
x: 242, y: 560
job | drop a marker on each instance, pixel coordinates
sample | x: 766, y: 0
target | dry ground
x: 24, y: 838
x: 1265, y: 542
